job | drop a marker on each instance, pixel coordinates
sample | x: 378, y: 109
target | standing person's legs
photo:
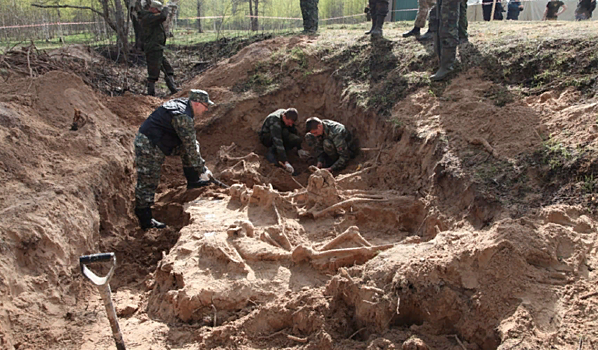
x: 148, y: 162
x: 463, y: 23
x: 372, y: 6
x: 169, y: 75
x: 487, y: 9
x: 448, y: 36
x: 381, y: 12
x: 154, y: 64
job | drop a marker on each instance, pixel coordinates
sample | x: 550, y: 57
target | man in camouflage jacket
x: 279, y: 134
x: 154, y: 35
x: 332, y: 143
x: 168, y: 131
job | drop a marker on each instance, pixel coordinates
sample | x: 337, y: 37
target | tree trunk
x: 199, y: 28
x: 254, y: 13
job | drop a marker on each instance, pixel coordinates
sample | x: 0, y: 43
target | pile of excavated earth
x: 404, y: 249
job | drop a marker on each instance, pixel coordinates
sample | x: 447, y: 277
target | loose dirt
x: 442, y: 234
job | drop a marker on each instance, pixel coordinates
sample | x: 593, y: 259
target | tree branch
x: 69, y: 6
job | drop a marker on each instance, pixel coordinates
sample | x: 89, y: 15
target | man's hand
x: 288, y: 167
x: 206, y: 175
x: 366, y: 9
x: 303, y: 154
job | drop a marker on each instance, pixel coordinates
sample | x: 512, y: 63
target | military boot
x: 377, y: 31
x: 146, y: 221
x: 426, y: 37
x: 151, y: 88
x: 170, y: 83
x: 413, y: 32
x: 447, y: 60
x: 373, y: 26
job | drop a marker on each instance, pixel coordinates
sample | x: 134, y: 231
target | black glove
x: 366, y: 9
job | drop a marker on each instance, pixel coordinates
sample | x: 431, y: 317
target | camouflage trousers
x: 309, y: 11
x: 453, y: 21
x: 422, y: 12
x: 156, y: 62
x: 378, y: 8
x: 330, y: 151
x: 289, y: 140
x: 148, y: 161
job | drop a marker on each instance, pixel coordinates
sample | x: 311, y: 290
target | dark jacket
x: 154, y: 35
x: 158, y: 126
x: 513, y: 10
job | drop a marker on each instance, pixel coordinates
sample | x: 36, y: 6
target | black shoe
x: 151, y: 89
x: 170, y: 83
x: 271, y: 155
x: 193, y: 180
x: 146, y: 221
x: 413, y: 32
x: 426, y: 37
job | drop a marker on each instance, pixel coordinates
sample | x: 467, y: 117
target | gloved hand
x: 206, y: 175
x: 366, y: 9
x: 303, y: 154
x: 289, y: 168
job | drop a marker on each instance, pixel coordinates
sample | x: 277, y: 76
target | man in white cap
x: 152, y: 22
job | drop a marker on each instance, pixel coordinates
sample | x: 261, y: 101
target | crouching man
x: 332, y: 143
x: 280, y: 135
x: 168, y: 131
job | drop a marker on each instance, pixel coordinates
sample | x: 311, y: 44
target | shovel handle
x: 88, y: 259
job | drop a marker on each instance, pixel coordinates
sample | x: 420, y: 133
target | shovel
x: 104, y: 289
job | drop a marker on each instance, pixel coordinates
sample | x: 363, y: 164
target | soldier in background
x: 378, y: 9
x: 420, y: 20
x: 331, y: 142
x: 279, y: 134
x: 584, y: 9
x: 154, y: 40
x: 168, y: 131
x: 309, y: 11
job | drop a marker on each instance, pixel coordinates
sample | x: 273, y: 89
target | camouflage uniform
x: 168, y: 131
x: 334, y: 147
x: 422, y: 12
x: 275, y: 134
x: 153, y: 44
x: 448, y: 18
x: 309, y: 11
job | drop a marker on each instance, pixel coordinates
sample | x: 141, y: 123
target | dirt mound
x: 52, y: 180
x: 433, y: 237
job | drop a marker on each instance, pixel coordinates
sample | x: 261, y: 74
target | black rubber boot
x: 426, y: 37
x: 146, y: 221
x: 446, y: 63
x: 151, y: 88
x: 413, y: 32
x: 193, y: 180
x: 170, y: 83
x: 271, y: 155
x: 377, y: 31
x: 373, y: 26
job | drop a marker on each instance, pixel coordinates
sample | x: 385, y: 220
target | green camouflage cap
x: 200, y: 96
x: 156, y: 4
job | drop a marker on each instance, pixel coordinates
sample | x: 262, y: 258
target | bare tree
x: 199, y: 28
x: 113, y: 13
x: 254, y: 13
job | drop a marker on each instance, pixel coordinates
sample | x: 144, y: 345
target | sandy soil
x: 403, y: 249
